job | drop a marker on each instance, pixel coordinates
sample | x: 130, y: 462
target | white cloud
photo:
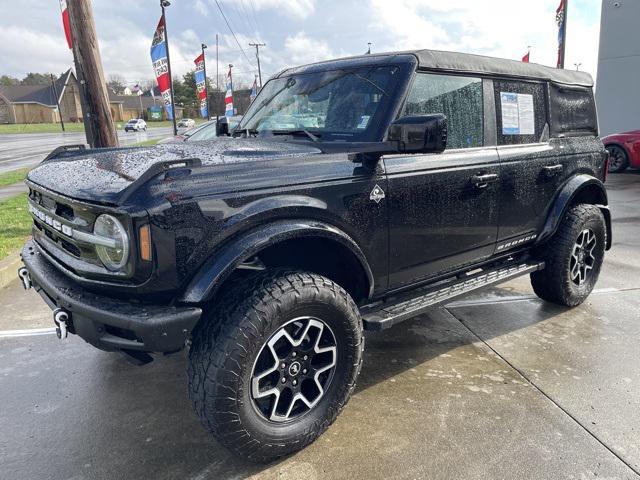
x: 502, y: 28
x: 302, y: 49
x: 39, y: 52
x: 292, y: 8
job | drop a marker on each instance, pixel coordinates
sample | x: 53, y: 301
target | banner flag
x: 525, y: 59
x: 65, y: 22
x: 201, y: 85
x: 561, y: 18
x: 254, y: 90
x: 228, y: 98
x: 161, y: 67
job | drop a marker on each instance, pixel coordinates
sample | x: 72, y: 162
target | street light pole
x: 204, y: 69
x: 163, y: 4
x: 258, y: 45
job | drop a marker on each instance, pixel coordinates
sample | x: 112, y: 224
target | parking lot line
x: 29, y: 332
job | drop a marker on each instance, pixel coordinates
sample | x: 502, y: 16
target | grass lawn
x: 16, y: 224
x: 15, y: 176
x: 70, y: 127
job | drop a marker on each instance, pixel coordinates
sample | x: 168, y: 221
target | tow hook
x: 60, y: 318
x: 25, y: 278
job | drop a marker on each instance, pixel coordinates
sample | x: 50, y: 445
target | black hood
x: 105, y: 175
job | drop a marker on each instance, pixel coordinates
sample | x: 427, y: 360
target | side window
x: 459, y: 98
x: 573, y: 110
x: 521, y: 109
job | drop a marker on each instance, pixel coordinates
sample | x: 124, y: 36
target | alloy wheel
x: 582, y: 258
x: 293, y: 369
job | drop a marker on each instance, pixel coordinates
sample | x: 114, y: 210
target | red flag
x: 65, y: 22
x: 525, y: 59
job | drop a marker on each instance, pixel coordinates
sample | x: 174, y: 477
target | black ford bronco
x: 354, y: 194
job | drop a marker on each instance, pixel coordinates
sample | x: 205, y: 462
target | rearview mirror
x: 419, y: 133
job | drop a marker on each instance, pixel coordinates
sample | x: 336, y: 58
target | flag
x: 65, y: 22
x: 161, y: 67
x: 137, y: 89
x: 228, y: 98
x: 525, y: 59
x: 254, y: 90
x: 561, y: 18
x: 201, y: 85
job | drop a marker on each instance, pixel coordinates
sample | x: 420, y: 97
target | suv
x: 135, y: 125
x: 187, y: 123
x: 354, y: 194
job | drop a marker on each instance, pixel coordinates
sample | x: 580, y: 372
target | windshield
x: 336, y: 104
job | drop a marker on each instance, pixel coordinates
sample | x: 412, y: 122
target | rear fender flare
x: 570, y: 192
x: 221, y: 264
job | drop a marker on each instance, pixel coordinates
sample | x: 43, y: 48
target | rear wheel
x: 618, y: 159
x: 275, y: 362
x: 573, y: 257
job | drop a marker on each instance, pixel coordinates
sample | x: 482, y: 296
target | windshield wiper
x: 299, y: 132
x: 247, y: 132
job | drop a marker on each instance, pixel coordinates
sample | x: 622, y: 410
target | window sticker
x: 517, y: 114
x: 364, y: 121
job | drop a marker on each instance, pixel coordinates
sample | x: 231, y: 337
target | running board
x: 382, y: 315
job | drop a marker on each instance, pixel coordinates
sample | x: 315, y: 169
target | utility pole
x: 258, y: 45
x: 204, y: 69
x: 99, y: 127
x: 55, y: 94
x: 163, y: 4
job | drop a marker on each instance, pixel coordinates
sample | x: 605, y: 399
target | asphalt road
x: 497, y: 385
x: 27, y: 149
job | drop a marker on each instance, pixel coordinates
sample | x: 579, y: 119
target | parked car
x: 135, y: 125
x: 204, y: 131
x: 624, y: 150
x: 186, y: 123
x: 424, y: 176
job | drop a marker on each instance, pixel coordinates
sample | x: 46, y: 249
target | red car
x: 624, y: 150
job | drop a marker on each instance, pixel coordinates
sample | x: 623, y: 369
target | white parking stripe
x: 27, y: 333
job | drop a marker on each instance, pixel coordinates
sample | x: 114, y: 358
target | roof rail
x: 61, y: 150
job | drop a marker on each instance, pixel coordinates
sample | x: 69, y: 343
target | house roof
x: 133, y: 101
x: 42, y: 94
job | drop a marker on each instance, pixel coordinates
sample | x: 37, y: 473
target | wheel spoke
x: 286, y: 359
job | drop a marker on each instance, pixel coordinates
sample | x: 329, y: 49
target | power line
x: 233, y: 33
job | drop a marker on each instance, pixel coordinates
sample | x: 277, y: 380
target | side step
x: 382, y: 315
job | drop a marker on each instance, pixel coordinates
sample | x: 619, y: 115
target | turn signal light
x: 144, y: 239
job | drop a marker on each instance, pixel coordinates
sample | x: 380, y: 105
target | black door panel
x: 445, y: 211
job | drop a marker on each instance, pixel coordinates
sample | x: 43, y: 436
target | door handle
x: 481, y: 181
x: 551, y: 170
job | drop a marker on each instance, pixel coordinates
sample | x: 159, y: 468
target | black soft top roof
x: 458, y: 62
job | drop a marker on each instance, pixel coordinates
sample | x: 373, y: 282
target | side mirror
x: 420, y: 133
x: 222, y: 127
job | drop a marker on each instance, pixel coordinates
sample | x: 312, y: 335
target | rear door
x: 443, y: 208
x: 532, y: 167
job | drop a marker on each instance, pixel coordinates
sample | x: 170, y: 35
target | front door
x: 443, y: 208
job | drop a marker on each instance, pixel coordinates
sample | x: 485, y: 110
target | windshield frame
x: 406, y: 66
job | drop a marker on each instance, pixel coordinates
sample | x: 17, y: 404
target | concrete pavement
x: 498, y: 385
x: 27, y: 149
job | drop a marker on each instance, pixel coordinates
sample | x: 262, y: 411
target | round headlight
x: 116, y: 256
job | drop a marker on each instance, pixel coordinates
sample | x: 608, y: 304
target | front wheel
x: 275, y: 362
x: 573, y: 257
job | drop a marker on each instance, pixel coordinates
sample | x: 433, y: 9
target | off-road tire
x: 225, y: 346
x: 621, y: 156
x: 554, y: 283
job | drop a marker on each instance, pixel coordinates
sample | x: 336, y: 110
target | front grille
x: 55, y: 219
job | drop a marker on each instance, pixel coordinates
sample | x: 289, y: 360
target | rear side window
x: 521, y: 110
x: 573, y: 110
x: 459, y: 98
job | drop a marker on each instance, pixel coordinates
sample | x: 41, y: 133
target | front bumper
x: 109, y: 323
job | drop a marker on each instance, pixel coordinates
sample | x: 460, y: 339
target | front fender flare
x: 565, y: 198
x: 212, y: 274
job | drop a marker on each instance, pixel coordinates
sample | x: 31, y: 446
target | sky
x: 295, y: 32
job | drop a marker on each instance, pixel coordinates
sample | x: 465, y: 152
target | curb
x: 9, y: 268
